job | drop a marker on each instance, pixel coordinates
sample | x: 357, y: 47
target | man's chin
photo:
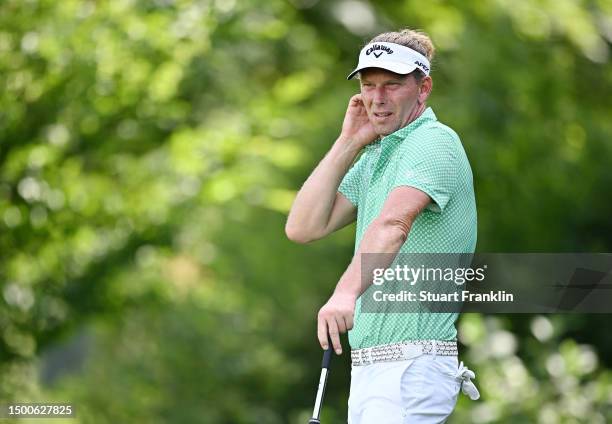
x: 384, y: 131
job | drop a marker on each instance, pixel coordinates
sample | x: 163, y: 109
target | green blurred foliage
x: 150, y: 151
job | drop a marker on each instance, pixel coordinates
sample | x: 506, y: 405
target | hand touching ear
x: 356, y: 126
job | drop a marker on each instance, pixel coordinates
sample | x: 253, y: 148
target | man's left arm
x: 386, y: 234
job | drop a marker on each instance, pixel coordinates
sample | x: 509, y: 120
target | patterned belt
x: 402, y: 351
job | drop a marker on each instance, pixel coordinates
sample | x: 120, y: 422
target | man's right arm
x: 318, y: 208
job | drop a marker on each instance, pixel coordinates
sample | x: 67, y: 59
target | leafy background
x: 150, y: 151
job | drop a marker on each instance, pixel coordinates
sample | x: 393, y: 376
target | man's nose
x: 379, y: 95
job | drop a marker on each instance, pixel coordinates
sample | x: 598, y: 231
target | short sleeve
x: 430, y: 165
x: 350, y: 186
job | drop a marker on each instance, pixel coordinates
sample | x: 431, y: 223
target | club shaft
x: 320, y: 393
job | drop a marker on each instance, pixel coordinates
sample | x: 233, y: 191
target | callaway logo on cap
x: 378, y: 47
x: 392, y: 57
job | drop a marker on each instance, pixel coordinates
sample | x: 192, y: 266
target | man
x: 410, y: 191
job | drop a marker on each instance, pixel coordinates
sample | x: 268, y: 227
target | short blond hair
x: 414, y: 39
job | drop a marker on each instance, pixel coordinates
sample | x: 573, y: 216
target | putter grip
x: 327, y: 355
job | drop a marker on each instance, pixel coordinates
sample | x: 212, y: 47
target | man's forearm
x: 383, y: 241
x: 312, y: 206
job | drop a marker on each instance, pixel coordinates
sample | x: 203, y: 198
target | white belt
x: 402, y: 351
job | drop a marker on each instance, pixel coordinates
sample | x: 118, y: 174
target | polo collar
x: 427, y: 115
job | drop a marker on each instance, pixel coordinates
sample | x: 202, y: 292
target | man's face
x: 390, y: 99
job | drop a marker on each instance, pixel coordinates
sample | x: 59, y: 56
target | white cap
x: 392, y: 57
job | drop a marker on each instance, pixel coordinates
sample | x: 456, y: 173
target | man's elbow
x: 396, y: 230
x: 297, y: 235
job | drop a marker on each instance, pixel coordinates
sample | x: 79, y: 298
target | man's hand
x: 335, y: 317
x: 356, y: 126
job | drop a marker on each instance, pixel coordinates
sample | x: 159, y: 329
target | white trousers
x: 415, y: 391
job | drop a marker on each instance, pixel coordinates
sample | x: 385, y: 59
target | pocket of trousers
x: 447, y: 367
x: 413, y: 377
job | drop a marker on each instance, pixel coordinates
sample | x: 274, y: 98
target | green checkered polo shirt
x: 429, y: 156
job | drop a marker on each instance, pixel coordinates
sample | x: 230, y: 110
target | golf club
x: 327, y: 355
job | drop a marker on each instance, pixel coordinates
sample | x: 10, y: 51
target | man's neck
x: 418, y: 111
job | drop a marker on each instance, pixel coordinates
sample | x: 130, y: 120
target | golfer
x: 411, y: 191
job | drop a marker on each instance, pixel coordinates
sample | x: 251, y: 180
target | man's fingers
x: 356, y: 100
x: 335, y: 318
x: 341, y: 324
x: 348, y: 321
x: 322, y: 332
x: 334, y: 335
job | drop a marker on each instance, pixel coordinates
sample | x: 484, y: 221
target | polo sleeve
x: 350, y: 186
x: 430, y: 164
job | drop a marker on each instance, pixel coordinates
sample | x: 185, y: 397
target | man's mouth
x: 382, y: 115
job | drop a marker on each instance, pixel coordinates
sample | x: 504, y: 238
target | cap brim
x: 397, y: 67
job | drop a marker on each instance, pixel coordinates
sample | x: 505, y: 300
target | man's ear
x: 425, y: 88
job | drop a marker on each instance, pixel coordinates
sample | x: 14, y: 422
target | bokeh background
x: 150, y: 151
